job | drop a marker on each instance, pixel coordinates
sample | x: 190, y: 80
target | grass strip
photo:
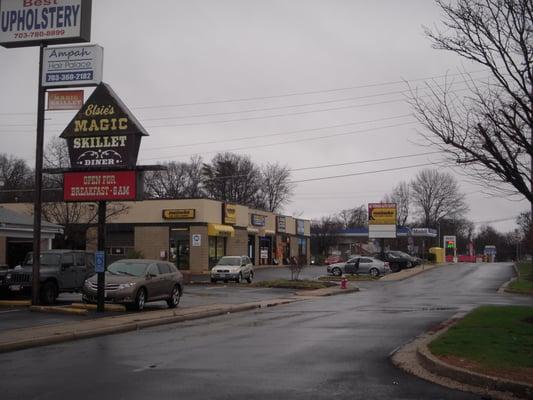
x: 524, y: 283
x: 495, y: 337
x: 288, y: 284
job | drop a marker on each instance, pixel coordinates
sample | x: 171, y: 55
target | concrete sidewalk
x: 22, y: 338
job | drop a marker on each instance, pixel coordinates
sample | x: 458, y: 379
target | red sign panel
x: 99, y: 186
x: 65, y: 100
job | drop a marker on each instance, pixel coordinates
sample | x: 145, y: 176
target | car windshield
x: 128, y: 268
x: 47, y: 259
x: 231, y: 261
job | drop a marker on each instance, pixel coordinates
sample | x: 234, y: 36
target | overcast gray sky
x: 323, y: 76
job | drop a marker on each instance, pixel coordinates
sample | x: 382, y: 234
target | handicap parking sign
x: 99, y: 261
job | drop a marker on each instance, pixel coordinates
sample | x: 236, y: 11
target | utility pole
x: 101, y: 247
x: 37, y: 205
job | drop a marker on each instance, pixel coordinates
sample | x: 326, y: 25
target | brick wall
x: 151, y: 240
x: 237, y: 245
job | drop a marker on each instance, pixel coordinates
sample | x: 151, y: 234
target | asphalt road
x: 334, y: 347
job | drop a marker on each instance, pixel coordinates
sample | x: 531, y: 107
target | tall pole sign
x: 103, y: 141
x: 41, y: 23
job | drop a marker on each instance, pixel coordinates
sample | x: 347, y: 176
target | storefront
x: 195, y: 233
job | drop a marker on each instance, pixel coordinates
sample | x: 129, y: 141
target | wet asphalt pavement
x: 334, y: 347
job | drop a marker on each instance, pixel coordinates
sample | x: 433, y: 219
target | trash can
x: 439, y: 254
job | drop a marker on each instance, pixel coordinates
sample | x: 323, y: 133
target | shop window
x: 302, y: 247
x: 217, y: 249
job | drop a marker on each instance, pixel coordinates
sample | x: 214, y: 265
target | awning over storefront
x: 220, y: 230
x: 269, y: 232
x: 254, y: 231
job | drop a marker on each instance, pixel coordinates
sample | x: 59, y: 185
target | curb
x: 15, y: 303
x: 93, y: 307
x: 59, y: 310
x: 415, y: 358
x: 325, y: 292
x: 75, y: 334
x: 430, y: 267
x: 438, y: 367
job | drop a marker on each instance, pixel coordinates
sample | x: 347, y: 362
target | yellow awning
x: 220, y: 230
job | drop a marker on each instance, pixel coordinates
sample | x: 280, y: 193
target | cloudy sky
x: 304, y: 82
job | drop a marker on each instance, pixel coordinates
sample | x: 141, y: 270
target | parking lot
x: 199, y: 293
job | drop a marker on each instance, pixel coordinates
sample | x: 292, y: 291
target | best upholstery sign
x: 37, y: 19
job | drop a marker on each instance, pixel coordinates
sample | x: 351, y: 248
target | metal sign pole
x: 37, y: 205
x: 101, y: 247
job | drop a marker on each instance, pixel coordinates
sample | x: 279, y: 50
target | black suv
x: 397, y: 260
x: 61, y: 271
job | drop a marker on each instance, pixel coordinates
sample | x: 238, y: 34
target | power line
x: 367, y: 161
x: 363, y: 173
x: 280, y: 96
x: 286, y: 142
x: 276, y: 134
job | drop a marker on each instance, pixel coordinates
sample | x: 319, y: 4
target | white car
x: 233, y: 268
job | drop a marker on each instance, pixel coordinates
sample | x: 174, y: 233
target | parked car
x: 61, y: 271
x: 334, y: 260
x: 135, y: 282
x: 233, y: 268
x: 396, y: 259
x: 360, y: 265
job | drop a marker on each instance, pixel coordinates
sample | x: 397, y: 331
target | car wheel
x: 239, y: 278
x: 250, y: 277
x: 140, y: 299
x: 174, y: 298
x: 336, y: 271
x: 374, y: 272
x: 49, y: 293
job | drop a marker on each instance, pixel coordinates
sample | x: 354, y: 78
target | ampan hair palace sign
x: 32, y: 22
x: 104, y: 134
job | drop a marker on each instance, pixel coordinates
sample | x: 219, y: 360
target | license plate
x: 14, y: 288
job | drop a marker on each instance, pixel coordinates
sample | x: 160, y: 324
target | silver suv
x: 233, y: 268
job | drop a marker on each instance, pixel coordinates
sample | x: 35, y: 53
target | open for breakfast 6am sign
x: 100, y: 186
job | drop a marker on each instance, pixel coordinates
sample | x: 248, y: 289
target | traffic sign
x: 99, y: 261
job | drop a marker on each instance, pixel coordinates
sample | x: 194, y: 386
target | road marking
x: 8, y: 311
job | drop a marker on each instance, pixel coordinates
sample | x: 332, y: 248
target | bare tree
x: 526, y: 230
x: 488, y: 130
x: 14, y: 175
x: 436, y: 195
x: 74, y: 217
x: 233, y: 178
x: 323, y: 234
x: 179, y: 180
x: 276, y: 188
x: 354, y: 217
x: 401, y: 195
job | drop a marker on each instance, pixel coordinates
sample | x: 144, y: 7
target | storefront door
x: 179, y: 248
x: 251, y: 248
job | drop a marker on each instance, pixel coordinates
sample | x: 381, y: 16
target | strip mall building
x: 195, y: 233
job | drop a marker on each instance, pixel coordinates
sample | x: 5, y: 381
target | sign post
x: 450, y: 243
x: 44, y: 23
x: 101, y: 248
